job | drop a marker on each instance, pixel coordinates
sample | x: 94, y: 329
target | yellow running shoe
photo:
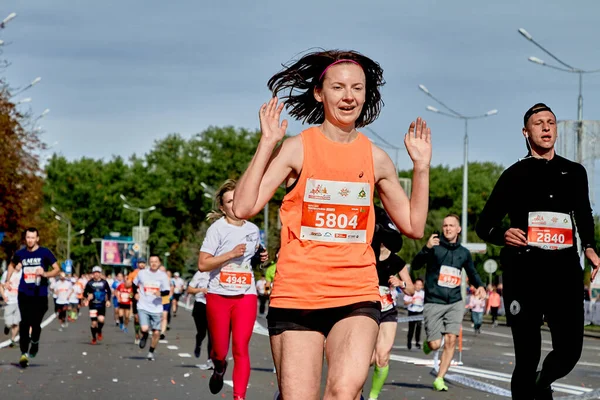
x: 439, y: 385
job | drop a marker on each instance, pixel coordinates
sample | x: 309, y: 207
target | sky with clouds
x: 118, y: 75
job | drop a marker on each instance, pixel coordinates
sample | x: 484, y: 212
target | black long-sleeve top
x: 534, y: 184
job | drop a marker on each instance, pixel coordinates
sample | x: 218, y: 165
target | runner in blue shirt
x: 38, y: 264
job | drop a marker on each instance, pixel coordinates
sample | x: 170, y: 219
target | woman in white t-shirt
x: 231, y: 301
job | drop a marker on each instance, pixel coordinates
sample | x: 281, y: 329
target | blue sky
x: 118, y: 75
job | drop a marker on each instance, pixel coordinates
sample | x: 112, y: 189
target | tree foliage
x: 445, y: 197
x: 170, y: 177
x: 20, y: 176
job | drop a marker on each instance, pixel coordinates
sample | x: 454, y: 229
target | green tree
x: 445, y: 197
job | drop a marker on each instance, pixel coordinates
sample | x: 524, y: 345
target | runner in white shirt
x: 414, y: 305
x: 63, y: 288
x: 51, y: 283
x: 179, y: 285
x: 12, y: 316
x: 199, y: 287
x: 227, y: 251
x: 263, y: 296
x: 152, y: 285
x: 74, y: 300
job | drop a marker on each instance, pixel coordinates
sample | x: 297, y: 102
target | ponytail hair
x: 216, y: 213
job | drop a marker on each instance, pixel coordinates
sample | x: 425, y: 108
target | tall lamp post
x: 454, y: 114
x: 61, y: 217
x: 167, y: 254
x: 31, y: 84
x: 7, y: 20
x: 565, y: 68
x: 386, y: 144
x: 140, y: 210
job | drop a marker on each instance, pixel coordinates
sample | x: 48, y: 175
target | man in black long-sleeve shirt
x: 546, y: 199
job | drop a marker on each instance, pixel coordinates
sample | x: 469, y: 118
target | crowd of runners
x: 332, y: 228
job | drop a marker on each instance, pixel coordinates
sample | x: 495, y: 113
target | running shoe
x: 136, y: 341
x: 207, y: 365
x: 125, y: 330
x: 122, y: 327
x: 12, y: 343
x: 6, y: 330
x: 94, y: 341
x: 216, y: 380
x: 162, y: 336
x: 277, y: 395
x: 426, y: 348
x: 418, y: 345
x: 33, y: 350
x: 439, y: 385
x: 143, y: 341
x: 99, y: 337
x: 197, y: 352
x: 24, y: 360
x: 544, y: 394
x: 150, y: 356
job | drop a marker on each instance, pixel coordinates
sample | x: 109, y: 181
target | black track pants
x: 543, y: 285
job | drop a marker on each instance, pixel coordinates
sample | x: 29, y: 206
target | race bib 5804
x: 335, y: 211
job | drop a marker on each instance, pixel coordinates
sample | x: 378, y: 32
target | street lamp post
x: 141, y: 211
x: 167, y: 254
x: 457, y: 115
x: 7, y: 19
x: 31, y: 84
x: 61, y: 217
x: 386, y: 144
x: 565, y: 68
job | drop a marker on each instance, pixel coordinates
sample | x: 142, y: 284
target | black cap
x: 141, y: 260
x: 539, y: 107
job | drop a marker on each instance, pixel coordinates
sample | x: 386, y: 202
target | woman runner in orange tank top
x: 326, y: 284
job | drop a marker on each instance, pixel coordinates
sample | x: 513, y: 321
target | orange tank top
x: 326, y: 259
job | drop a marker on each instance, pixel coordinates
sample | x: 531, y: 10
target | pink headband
x: 337, y: 62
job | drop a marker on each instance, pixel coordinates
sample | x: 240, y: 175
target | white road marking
x: 184, y: 355
x: 44, y: 324
x: 487, y: 374
x: 171, y: 347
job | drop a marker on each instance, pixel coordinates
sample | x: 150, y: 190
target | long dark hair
x: 299, y: 79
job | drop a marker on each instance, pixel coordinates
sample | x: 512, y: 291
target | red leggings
x: 235, y: 316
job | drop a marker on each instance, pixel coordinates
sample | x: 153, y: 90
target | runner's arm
x: 55, y: 271
x: 208, y: 262
x: 193, y: 290
x: 409, y: 216
x: 469, y: 267
x: 489, y: 226
x: 405, y: 276
x: 269, y: 167
x: 421, y: 258
x: 12, y: 266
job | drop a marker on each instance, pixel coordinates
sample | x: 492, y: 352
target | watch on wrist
x: 403, y: 285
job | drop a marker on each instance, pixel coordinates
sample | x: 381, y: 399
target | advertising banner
x: 117, y: 252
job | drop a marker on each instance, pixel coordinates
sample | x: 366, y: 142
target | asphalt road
x: 69, y: 367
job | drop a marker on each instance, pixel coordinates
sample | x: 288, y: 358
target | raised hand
x: 269, y: 115
x: 418, y: 142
